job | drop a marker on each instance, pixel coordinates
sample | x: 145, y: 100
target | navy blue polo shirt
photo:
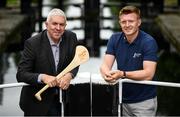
x: 130, y: 57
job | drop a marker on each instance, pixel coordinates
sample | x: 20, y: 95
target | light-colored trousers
x: 145, y: 108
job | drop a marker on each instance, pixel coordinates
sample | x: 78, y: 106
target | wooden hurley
x: 81, y: 56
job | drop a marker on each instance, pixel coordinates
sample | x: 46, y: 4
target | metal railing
x: 157, y: 83
x: 87, y: 77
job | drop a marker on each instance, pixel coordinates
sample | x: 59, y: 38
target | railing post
x: 61, y: 101
x: 120, y: 99
x: 91, y: 95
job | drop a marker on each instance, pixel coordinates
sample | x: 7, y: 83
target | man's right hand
x: 49, y: 80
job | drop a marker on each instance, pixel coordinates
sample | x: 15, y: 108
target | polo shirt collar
x: 124, y: 38
x: 135, y: 41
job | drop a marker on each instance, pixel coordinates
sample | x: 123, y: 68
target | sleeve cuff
x: 39, y: 78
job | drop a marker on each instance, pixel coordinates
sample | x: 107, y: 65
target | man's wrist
x: 124, y: 74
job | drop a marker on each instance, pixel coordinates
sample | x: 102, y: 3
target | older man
x: 44, y: 56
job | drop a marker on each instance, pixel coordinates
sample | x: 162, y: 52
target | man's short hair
x: 130, y: 9
x: 54, y: 12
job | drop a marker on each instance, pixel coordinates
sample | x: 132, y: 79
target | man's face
x: 55, y: 27
x: 129, y: 23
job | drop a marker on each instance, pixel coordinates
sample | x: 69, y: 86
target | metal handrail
x: 97, y: 79
x: 10, y: 85
x: 157, y: 83
x: 74, y: 81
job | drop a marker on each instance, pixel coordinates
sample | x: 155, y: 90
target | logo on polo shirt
x: 136, y: 55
